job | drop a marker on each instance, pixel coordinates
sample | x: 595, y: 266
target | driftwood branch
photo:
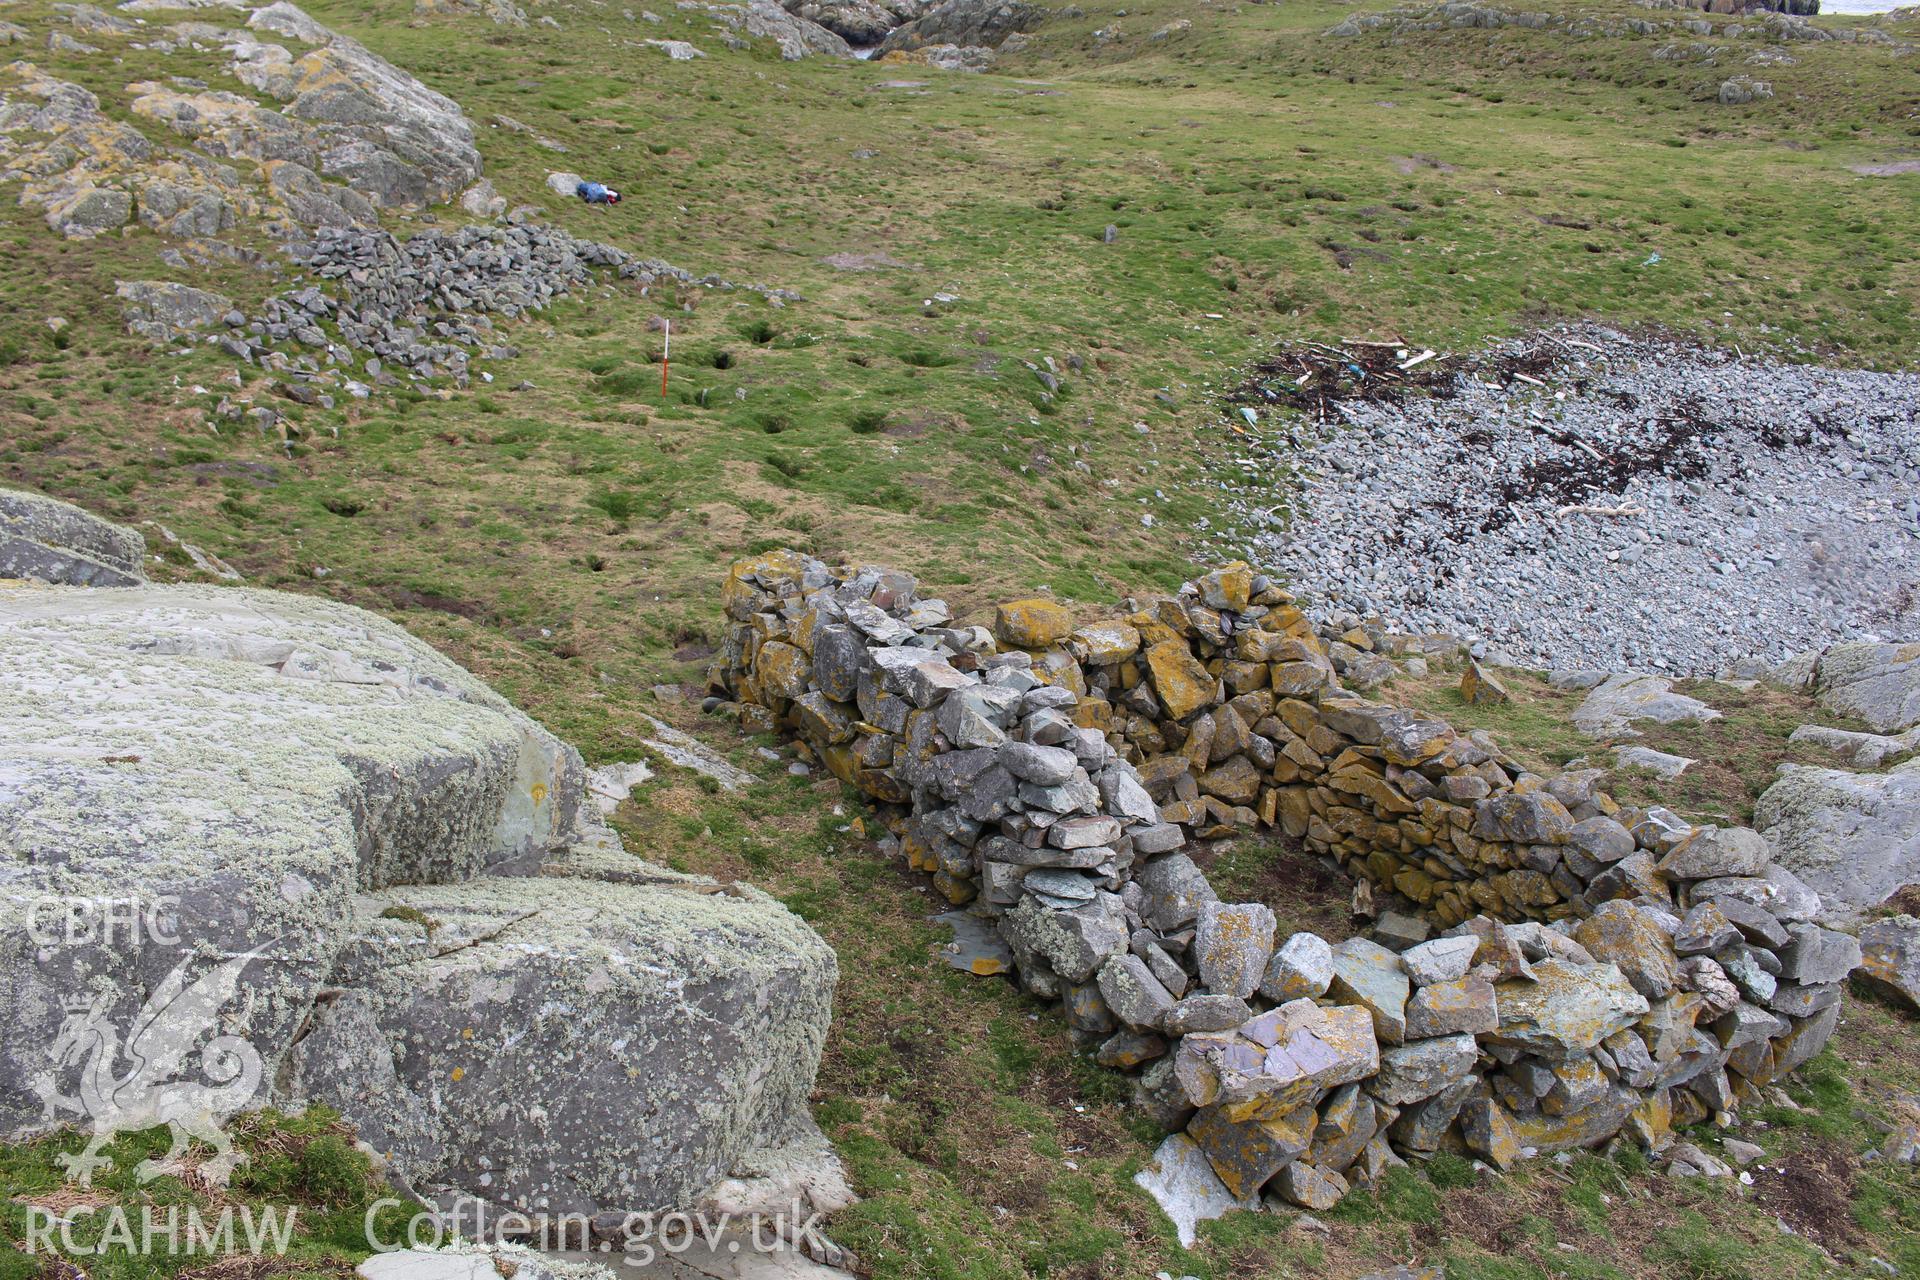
x: 1628, y: 509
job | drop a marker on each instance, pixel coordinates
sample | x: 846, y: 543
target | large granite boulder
x: 1854, y: 838
x: 404, y: 909
x: 56, y: 542
x: 511, y: 1036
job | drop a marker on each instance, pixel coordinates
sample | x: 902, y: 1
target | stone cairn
x: 1603, y: 972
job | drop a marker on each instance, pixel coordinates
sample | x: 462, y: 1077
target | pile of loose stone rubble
x: 1050, y: 776
x: 423, y: 306
x: 1588, y: 498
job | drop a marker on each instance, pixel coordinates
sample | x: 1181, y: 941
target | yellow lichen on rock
x: 1032, y: 624
x: 782, y: 670
x: 1179, y: 681
x: 1105, y: 643
x: 1479, y: 687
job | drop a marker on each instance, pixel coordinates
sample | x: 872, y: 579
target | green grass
x: 303, y: 1168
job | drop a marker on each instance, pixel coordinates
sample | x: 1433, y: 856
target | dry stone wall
x: 1602, y: 971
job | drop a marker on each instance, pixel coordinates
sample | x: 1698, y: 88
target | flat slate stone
x: 1182, y: 1182
x: 1613, y: 707
x: 977, y: 947
x: 1421, y: 1068
x: 1367, y: 974
x: 1565, y: 1009
x: 1301, y: 966
x: 1233, y: 943
x: 1891, y: 950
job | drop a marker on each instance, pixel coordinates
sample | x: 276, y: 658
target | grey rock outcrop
x: 1799, y: 8
x: 392, y: 138
x: 1738, y: 91
x: 87, y: 211
x: 796, y: 37
x: 334, y: 134
x: 858, y: 22
x: 1854, y: 838
x: 1861, y: 750
x: 985, y: 23
x: 429, y: 918
x: 162, y: 310
x: 1613, y: 706
x: 1780, y: 19
x: 56, y: 542
x: 504, y: 13
x: 1879, y: 683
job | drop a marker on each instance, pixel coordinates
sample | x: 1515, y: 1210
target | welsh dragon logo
x: 149, y: 1090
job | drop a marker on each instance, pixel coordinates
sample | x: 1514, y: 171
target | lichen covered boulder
x: 1854, y: 838
x: 568, y: 1042
x: 404, y: 865
x: 47, y: 540
x: 1880, y: 683
x: 987, y: 23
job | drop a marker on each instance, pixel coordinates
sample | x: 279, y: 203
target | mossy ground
x: 566, y: 542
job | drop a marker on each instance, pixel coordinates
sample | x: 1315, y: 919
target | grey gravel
x: 1780, y: 505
